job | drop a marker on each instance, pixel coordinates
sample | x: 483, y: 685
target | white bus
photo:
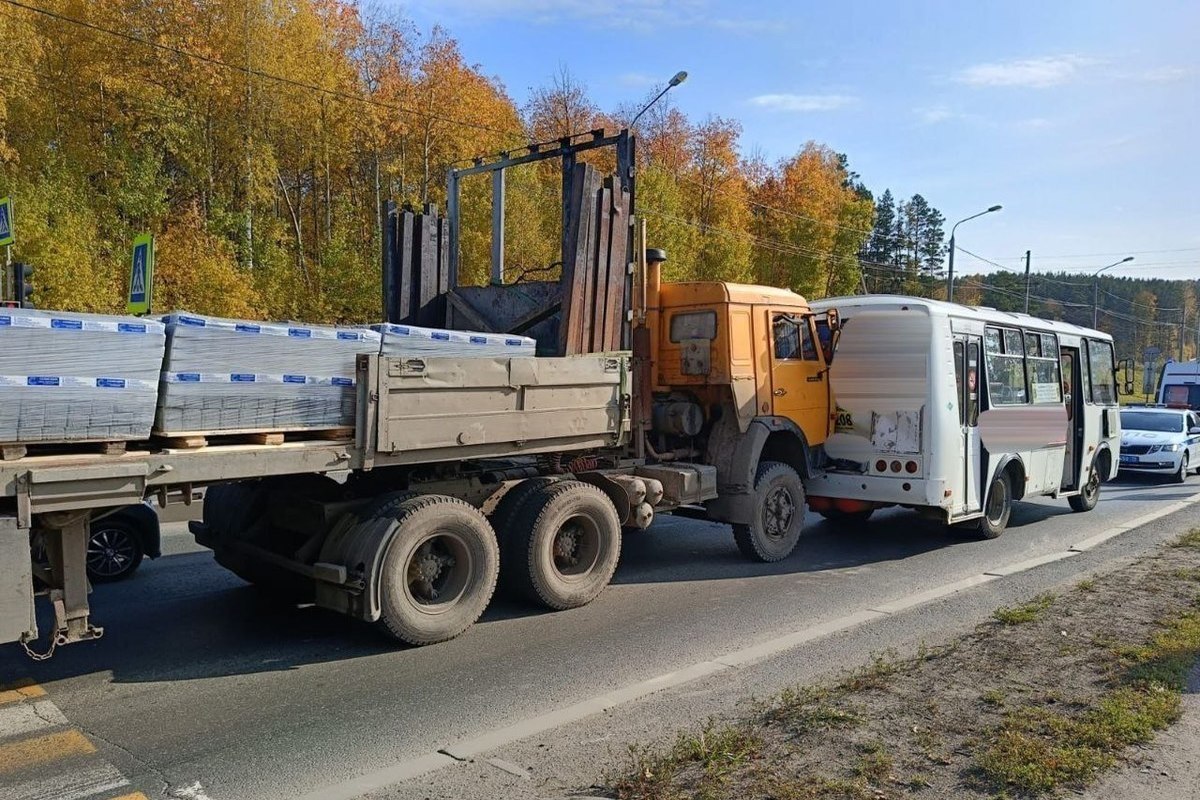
x: 959, y: 411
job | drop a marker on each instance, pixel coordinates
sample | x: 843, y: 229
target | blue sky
x: 1081, y: 118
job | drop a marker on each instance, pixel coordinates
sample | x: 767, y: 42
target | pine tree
x: 880, y: 249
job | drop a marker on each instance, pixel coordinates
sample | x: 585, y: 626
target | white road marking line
x: 193, y: 792
x: 1021, y: 566
x: 25, y: 717
x: 905, y: 603
x: 71, y: 786
x: 491, y: 740
x: 1136, y: 522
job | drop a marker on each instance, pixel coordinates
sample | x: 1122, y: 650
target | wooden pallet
x: 16, y: 450
x: 194, y: 440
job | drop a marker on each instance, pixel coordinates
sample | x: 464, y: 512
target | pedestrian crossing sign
x: 6, y: 221
x: 141, y: 275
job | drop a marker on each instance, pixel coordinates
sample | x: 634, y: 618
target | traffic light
x: 22, y: 284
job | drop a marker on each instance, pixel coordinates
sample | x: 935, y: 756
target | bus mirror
x: 1128, y: 387
x: 835, y: 322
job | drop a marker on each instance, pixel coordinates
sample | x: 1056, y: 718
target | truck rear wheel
x: 503, y: 518
x: 440, y: 569
x: 778, y: 514
x: 566, y: 541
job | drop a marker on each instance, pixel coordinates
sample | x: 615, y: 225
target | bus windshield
x: 1151, y: 421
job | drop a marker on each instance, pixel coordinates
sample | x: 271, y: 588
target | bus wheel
x: 565, y: 546
x: 1087, y: 499
x: 778, y: 516
x: 998, y: 507
x: 440, y: 569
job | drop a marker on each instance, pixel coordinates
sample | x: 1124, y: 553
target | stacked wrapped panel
x: 67, y: 377
x: 406, y: 340
x: 224, y: 375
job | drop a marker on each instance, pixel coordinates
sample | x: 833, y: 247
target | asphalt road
x: 203, y: 688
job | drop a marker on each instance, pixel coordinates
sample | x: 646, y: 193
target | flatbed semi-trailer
x: 435, y: 441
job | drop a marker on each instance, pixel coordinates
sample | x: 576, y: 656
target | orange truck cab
x: 738, y: 378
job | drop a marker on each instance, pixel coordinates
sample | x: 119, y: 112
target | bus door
x: 1073, y: 391
x: 967, y: 379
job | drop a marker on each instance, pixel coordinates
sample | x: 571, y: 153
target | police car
x: 1160, y: 440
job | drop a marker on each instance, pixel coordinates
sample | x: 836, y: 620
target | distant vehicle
x: 1179, y: 385
x: 1165, y: 441
x: 118, y: 543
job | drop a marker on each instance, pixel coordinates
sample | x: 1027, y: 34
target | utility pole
x: 1096, y: 289
x: 1026, y: 281
x: 950, y: 268
x: 1182, y: 330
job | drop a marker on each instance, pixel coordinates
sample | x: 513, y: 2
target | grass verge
x: 1043, y: 698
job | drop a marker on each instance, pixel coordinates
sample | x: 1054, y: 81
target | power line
x: 257, y: 72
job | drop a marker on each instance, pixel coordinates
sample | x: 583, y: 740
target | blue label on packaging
x: 186, y: 320
x: 42, y: 380
x: 246, y: 327
x: 294, y: 379
x: 479, y: 340
x: 440, y: 335
x: 513, y: 342
x: 342, y: 381
x: 187, y: 377
x: 400, y: 329
x: 110, y: 383
x: 67, y: 324
x: 5, y: 320
x: 241, y: 377
x: 351, y: 335
x: 130, y: 327
x: 300, y: 333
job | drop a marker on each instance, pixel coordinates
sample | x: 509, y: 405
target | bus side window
x: 973, y: 383
x: 959, y: 381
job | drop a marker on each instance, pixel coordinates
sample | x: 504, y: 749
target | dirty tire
x: 503, y: 520
x: 1181, y: 475
x: 1087, y: 499
x: 997, y: 509
x: 565, y: 545
x: 779, y: 514
x: 439, y: 571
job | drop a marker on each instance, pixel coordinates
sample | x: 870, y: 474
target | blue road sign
x: 141, y: 275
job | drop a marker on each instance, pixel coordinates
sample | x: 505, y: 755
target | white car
x: 1160, y: 440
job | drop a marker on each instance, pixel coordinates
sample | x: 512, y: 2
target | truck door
x: 799, y: 379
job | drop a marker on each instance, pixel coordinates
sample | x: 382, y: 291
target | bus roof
x: 941, y: 308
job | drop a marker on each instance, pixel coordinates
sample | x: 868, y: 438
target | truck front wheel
x: 778, y: 514
x: 565, y: 546
x: 440, y: 569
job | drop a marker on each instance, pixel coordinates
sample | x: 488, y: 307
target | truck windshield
x: 1150, y: 421
x: 1181, y: 394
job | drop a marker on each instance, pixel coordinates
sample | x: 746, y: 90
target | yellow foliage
x: 196, y: 271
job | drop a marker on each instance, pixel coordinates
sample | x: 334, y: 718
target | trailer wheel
x: 1086, y: 500
x: 440, y: 569
x: 503, y: 520
x: 566, y: 541
x: 779, y: 514
x: 997, y: 508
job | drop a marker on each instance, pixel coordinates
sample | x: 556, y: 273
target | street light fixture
x: 950, y: 268
x: 1096, y: 289
x: 676, y: 79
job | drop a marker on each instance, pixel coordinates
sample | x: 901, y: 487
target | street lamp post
x: 1096, y: 289
x: 950, y: 268
x: 676, y: 79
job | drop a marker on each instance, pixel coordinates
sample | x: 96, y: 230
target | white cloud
x: 802, y: 102
x: 1033, y: 73
x: 1165, y: 74
x: 1033, y: 124
x: 935, y: 115
x: 640, y: 79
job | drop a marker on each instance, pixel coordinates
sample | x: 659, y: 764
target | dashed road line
x: 71, y: 785
x: 28, y: 717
